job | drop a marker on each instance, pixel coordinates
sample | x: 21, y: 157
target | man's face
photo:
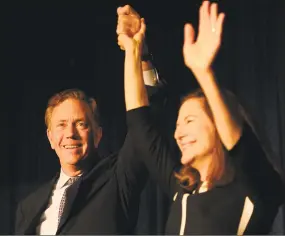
x: 72, y: 133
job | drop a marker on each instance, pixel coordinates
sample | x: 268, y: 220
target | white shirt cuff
x: 150, y: 77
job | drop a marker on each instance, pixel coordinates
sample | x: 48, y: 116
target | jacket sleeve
x: 255, y: 170
x: 153, y: 147
x: 131, y: 171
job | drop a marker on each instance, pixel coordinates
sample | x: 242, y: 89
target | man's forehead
x: 66, y: 119
x: 72, y: 104
x: 71, y: 109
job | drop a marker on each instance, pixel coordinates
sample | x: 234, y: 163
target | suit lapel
x: 88, y: 185
x: 98, y: 176
x: 37, y: 202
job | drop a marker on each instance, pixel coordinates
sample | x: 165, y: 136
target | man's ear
x: 50, y: 138
x: 98, y: 136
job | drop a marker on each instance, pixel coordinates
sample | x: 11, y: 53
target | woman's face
x: 195, y: 131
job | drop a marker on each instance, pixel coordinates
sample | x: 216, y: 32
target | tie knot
x: 72, y: 180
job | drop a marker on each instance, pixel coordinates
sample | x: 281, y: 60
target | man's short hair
x: 77, y: 94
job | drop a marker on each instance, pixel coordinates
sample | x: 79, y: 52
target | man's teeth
x: 71, y: 146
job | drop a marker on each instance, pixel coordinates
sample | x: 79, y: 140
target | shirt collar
x: 63, y: 178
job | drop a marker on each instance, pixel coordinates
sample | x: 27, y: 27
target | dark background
x: 50, y: 46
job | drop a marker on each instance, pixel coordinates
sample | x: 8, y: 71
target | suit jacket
x: 107, y: 197
x: 106, y: 201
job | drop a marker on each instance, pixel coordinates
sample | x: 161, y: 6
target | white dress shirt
x: 49, y: 219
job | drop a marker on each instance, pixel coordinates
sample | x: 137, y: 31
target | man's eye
x: 82, y: 124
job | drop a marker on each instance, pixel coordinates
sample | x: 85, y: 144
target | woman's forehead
x: 192, y: 106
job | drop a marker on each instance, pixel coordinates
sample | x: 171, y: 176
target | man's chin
x: 72, y: 160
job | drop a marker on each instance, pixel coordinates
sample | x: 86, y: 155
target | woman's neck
x: 202, y: 164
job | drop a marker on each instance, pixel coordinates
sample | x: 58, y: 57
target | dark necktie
x: 64, y: 199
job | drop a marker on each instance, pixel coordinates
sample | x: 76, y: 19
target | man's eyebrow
x: 80, y: 119
x: 58, y: 121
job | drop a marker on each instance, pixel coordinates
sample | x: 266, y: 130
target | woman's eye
x: 189, y: 120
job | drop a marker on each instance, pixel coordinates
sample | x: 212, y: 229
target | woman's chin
x: 186, y: 159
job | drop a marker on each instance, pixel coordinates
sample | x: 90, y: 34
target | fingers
x: 123, y: 24
x: 127, y: 10
x: 143, y: 27
x: 129, y: 27
x: 120, y: 45
x: 209, y: 18
x: 220, y: 22
x: 217, y: 19
x: 189, y: 34
x: 128, y: 24
x: 128, y: 21
x: 123, y: 41
x: 204, y: 15
x: 141, y: 33
x: 213, y: 14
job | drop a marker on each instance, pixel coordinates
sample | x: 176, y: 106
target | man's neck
x: 71, y: 171
x: 81, y: 167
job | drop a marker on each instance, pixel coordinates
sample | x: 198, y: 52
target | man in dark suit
x: 89, y: 195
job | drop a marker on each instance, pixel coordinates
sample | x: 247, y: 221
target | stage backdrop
x: 48, y: 47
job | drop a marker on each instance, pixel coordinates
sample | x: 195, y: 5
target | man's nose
x: 70, y: 131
